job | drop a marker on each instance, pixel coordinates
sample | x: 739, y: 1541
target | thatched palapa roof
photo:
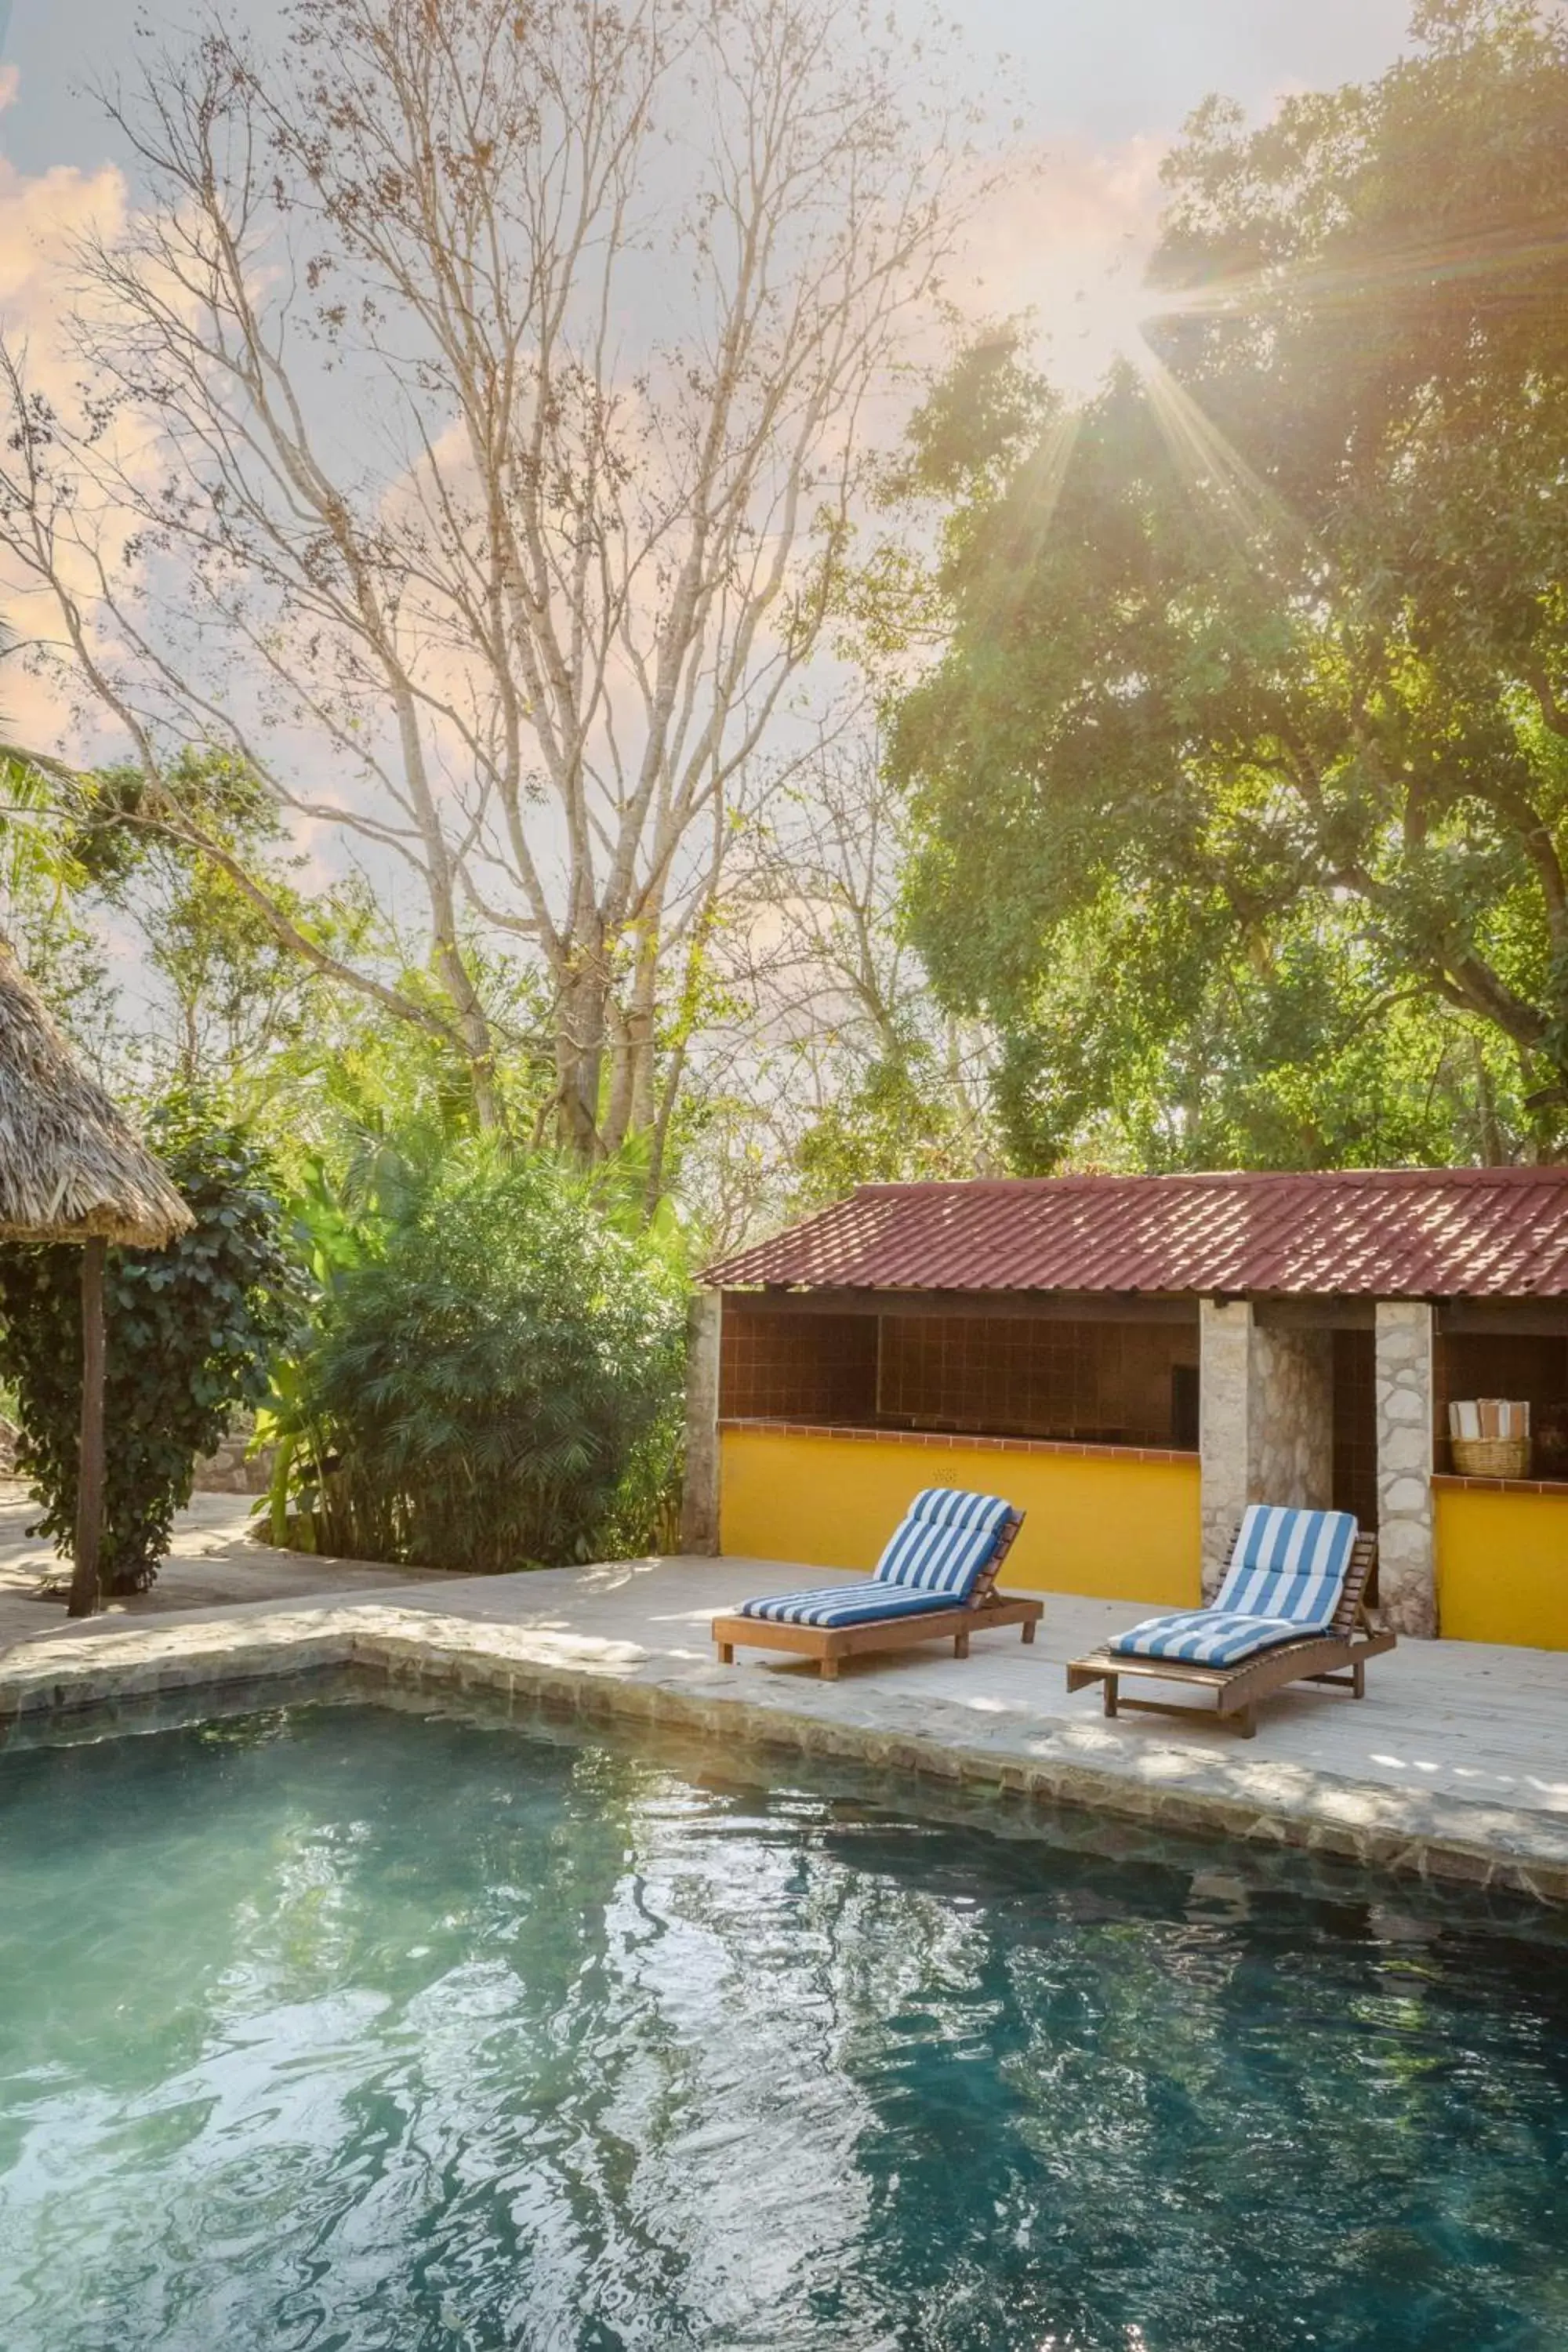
x: 72, y: 1167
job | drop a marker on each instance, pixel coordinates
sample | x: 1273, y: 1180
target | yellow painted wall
x: 1119, y: 1529
x: 1502, y: 1566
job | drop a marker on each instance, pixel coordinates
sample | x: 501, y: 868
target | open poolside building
x: 1132, y: 1360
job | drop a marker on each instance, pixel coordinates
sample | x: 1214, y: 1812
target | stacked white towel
x: 1489, y: 1417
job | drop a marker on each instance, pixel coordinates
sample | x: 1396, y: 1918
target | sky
x: 1095, y: 72
x: 1096, y: 90
x: 1101, y: 87
x: 1090, y: 96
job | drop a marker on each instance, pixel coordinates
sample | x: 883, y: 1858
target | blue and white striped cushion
x: 944, y: 1544
x: 1206, y: 1637
x: 865, y: 1603
x: 1284, y: 1579
x: 1289, y: 1564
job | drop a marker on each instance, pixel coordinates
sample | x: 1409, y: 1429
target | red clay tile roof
x: 1466, y: 1232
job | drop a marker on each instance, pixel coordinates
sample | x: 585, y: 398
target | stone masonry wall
x: 1290, y: 1418
x: 228, y: 1471
x: 1267, y: 1421
x: 699, y: 1491
x: 1406, y: 1578
x: 1225, y: 1340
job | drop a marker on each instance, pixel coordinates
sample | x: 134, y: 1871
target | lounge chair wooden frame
x: 829, y: 1644
x: 1337, y: 1657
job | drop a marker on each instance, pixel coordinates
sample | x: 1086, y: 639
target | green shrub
x: 189, y: 1332
x: 495, y: 1383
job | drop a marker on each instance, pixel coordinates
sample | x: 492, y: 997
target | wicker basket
x: 1491, y: 1457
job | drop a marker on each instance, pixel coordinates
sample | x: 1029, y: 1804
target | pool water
x: 340, y: 2027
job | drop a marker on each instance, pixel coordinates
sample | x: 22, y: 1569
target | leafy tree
x: 898, y: 1122
x: 189, y: 1334
x: 304, y: 1063
x: 1158, y: 1045
x: 1251, y: 743
x: 530, y: 592
x: 232, y: 1000
x: 494, y: 1381
x: 41, y: 875
x: 829, y: 1062
x: 41, y: 915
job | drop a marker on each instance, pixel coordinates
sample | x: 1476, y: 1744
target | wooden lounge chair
x: 934, y: 1582
x: 1293, y: 1607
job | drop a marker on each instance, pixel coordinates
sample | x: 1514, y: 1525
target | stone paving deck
x: 210, y: 1562
x: 1455, y: 1766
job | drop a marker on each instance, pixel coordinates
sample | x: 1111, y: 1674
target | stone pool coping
x: 1246, y: 1794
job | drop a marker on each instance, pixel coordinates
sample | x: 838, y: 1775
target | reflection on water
x: 334, y: 2028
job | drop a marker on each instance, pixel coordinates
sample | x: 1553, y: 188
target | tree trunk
x: 618, y: 1091
x: 580, y: 1038
x: 89, y: 1460
x: 473, y: 1027
x: 642, y: 1033
x: 1491, y: 1142
x: 631, y: 1106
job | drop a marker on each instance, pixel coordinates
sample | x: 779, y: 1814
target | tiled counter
x: 1503, y: 1560
x: 1110, y: 1521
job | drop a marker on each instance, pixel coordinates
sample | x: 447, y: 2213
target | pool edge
x: 1250, y: 1799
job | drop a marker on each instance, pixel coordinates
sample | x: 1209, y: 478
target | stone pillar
x: 1267, y: 1421
x: 1290, y: 1417
x: 1225, y: 1335
x: 699, y: 1492
x: 1407, y: 1580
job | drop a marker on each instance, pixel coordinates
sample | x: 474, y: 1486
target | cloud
x: 1068, y: 239
x: 41, y: 218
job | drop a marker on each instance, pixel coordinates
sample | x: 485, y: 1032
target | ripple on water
x: 337, y: 2028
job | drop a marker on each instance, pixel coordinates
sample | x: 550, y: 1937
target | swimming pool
x: 342, y: 2028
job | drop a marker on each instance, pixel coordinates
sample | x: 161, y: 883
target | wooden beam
x: 1507, y: 1318
x: 1032, y: 1306
x: 84, y: 1595
x: 1316, y: 1314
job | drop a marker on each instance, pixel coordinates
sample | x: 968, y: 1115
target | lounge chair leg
x: 961, y: 1646
x: 1110, y: 1694
x: 1246, y: 1722
x: 726, y: 1654
x: 1358, y: 1674
x: 1029, y: 1625
x: 829, y: 1670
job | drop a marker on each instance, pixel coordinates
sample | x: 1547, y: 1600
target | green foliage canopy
x: 495, y: 1377
x: 189, y: 1333
x: 1242, y: 787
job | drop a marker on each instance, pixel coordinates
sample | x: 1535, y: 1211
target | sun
x: 1101, y: 323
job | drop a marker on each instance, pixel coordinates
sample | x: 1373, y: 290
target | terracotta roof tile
x: 1467, y: 1232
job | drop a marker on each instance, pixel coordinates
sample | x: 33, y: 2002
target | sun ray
x: 1348, y: 285
x: 1034, y: 501
x: 1040, y: 484
x: 1261, y: 523
x: 1522, y: 262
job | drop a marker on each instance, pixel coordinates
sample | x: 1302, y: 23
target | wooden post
x: 90, y: 1459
